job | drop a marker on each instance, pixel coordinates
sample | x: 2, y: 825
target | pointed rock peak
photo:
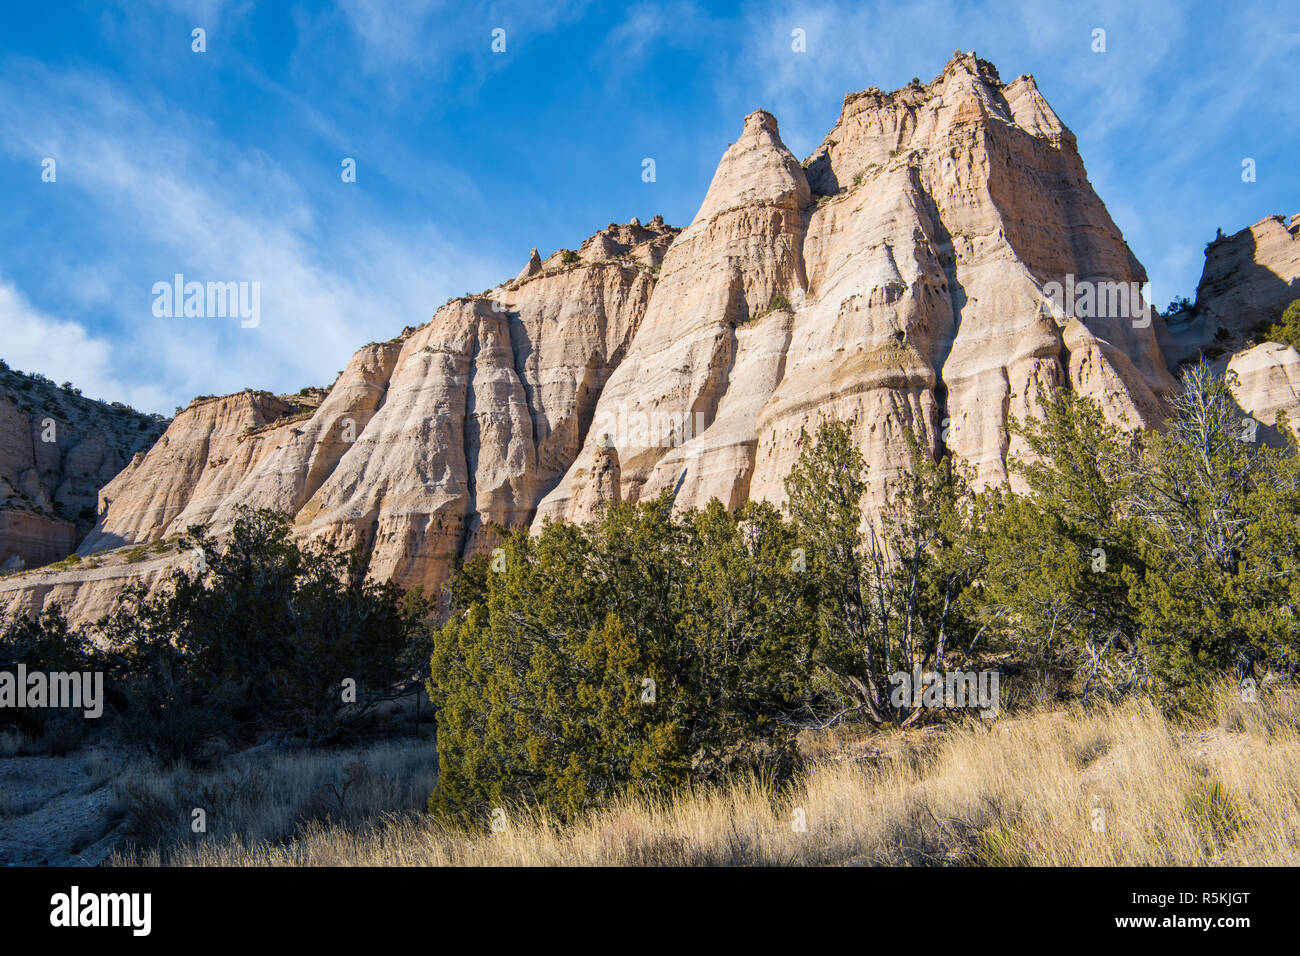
x: 1029, y: 110
x: 1027, y: 81
x: 756, y: 168
x: 761, y: 120
x: 643, y: 243
x: 629, y: 243
x: 534, y: 266
x: 969, y: 63
x: 601, y: 484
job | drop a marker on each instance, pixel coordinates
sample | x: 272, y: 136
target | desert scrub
x: 1216, y: 809
x: 999, y: 846
x: 272, y: 794
x: 1007, y: 791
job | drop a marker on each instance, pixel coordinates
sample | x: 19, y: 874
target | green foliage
x: 1287, y: 328
x: 1216, y: 810
x: 47, y: 644
x: 260, y: 640
x: 1000, y: 846
x: 1162, y: 560
x: 1220, y: 542
x: 263, y: 638
x: 895, y: 595
x: 1055, y: 588
x: 641, y: 651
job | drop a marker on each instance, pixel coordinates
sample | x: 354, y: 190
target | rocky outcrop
x: 939, y: 259
x: 1248, y: 279
x: 89, y: 588
x: 421, y: 445
x: 57, y: 449
x: 1267, y: 381
x: 900, y: 279
x: 600, y: 485
x: 208, y: 451
x: 486, y: 408
x: 738, y: 258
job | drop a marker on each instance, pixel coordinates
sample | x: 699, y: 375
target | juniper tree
x: 894, y: 591
x: 638, y: 652
x: 1058, y: 554
x: 1220, y: 513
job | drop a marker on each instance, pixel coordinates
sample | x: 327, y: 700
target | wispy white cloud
x: 65, y: 351
x: 183, y: 201
x: 405, y: 41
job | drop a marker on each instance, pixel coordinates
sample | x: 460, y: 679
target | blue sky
x: 225, y: 165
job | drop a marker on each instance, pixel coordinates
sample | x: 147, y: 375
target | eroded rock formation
x: 57, y: 449
x: 916, y: 273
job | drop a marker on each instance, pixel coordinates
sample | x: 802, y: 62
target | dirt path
x: 58, y: 811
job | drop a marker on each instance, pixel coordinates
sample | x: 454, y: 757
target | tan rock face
x: 915, y: 249
x: 419, y: 447
x: 184, y: 478
x: 88, y: 592
x: 600, y: 485
x: 485, y: 410
x: 57, y: 449
x: 1268, y: 382
x: 31, y: 540
x: 727, y: 269
x: 1253, y: 275
x: 1248, y: 279
x: 938, y: 259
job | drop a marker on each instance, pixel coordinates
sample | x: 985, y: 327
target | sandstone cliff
x: 1248, y: 279
x: 421, y: 444
x: 927, y: 269
x: 895, y: 279
x: 57, y: 449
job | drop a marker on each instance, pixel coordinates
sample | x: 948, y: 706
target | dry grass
x: 269, y: 795
x: 1008, y: 791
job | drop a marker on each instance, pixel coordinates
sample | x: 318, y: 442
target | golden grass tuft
x: 1102, y: 786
